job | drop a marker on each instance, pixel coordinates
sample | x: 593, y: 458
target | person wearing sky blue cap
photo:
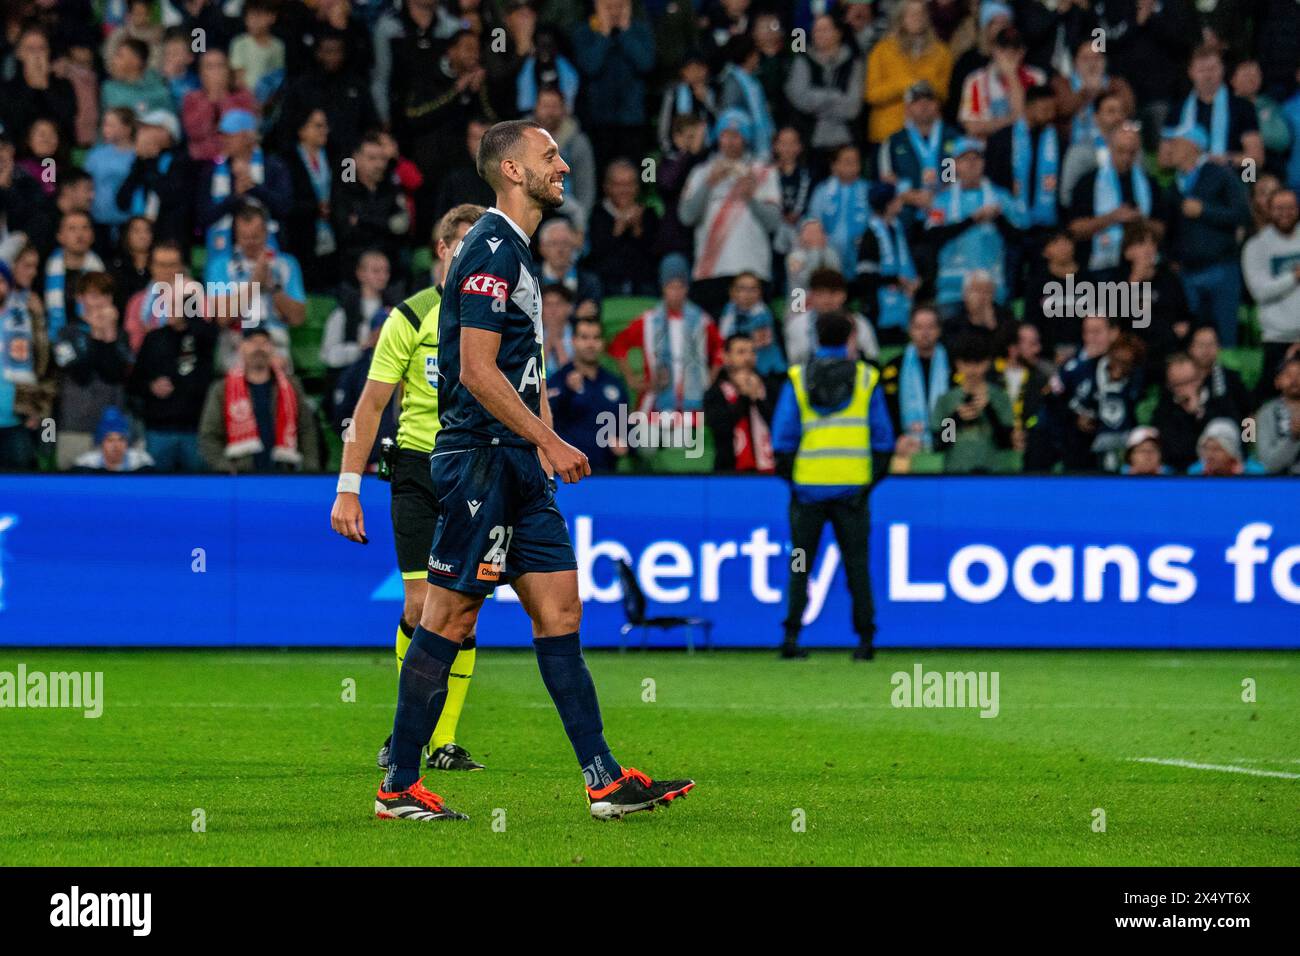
x: 237, y: 121
x: 1207, y: 204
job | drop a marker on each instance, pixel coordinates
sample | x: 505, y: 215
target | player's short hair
x: 100, y: 282
x: 498, y: 143
x: 466, y: 214
x: 834, y: 329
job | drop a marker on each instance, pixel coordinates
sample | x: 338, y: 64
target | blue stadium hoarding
x: 969, y: 562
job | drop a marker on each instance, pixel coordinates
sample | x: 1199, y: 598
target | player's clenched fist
x: 569, y: 464
x: 346, y: 517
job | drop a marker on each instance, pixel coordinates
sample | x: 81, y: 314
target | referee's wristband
x: 350, y: 482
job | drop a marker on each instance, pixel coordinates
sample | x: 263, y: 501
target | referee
x: 407, y: 353
x: 832, y: 438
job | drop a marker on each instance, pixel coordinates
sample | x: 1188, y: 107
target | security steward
x: 833, y: 438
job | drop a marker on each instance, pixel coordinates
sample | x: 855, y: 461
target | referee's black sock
x: 421, y: 691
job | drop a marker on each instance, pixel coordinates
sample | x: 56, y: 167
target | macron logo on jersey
x: 493, y: 243
x: 484, y: 283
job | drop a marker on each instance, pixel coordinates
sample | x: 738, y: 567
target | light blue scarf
x: 1038, y: 198
x: 1218, y: 119
x: 895, y: 263
x: 17, y: 348
x: 760, y: 117
x: 220, y: 232
x: 843, y: 211
x: 978, y: 247
x: 733, y: 321
x: 56, y: 298
x: 1083, y: 128
x: 1106, y: 197
x: 916, y: 397
x: 685, y: 392
x: 145, y: 202
x: 927, y: 149
x: 319, y: 174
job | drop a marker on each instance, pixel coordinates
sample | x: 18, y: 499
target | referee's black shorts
x: 415, y: 512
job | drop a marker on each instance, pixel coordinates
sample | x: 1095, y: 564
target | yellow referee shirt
x: 407, y: 352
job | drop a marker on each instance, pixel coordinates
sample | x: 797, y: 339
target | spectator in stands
x: 557, y: 328
x: 1277, y: 434
x: 1045, y: 305
x: 1219, y: 452
x: 1103, y: 404
x: 1080, y: 93
x: 810, y: 253
x: 202, y: 109
x: 559, y: 245
x: 26, y: 213
x: 1169, y: 320
x: 720, y: 24
x: 993, y: 96
x: 915, y: 380
x: 1207, y: 205
x: 369, y: 211
x: 583, y: 396
x: 352, y: 328
x: 1274, y: 134
x: 615, y: 55
x: 242, y: 174
x: 972, y: 422
x: 177, y: 65
x: 795, y: 181
x: 1113, y: 109
x: 1026, y: 377
x: 1142, y: 453
x: 1025, y: 160
x: 747, y: 314
x: 545, y: 67
x: 681, y: 349
x: 691, y: 95
x: 1107, y: 199
x: 1147, y: 43
x: 739, y: 87
x: 257, y: 418
x: 65, y: 267
x: 138, y: 25
x: 331, y: 85
x: 738, y: 409
x: 887, y: 280
x: 112, y: 451
x: 1229, y: 125
x: 1203, y: 349
x: 93, y: 361
x: 307, y: 226
x: 979, y: 315
x: 149, y: 306
x: 913, y: 158
x: 621, y: 233
x: 462, y: 183
x: 109, y: 163
x: 690, y: 148
x: 275, y: 298
x: 44, y: 153
x: 825, y: 90
x: 1270, y: 261
x: 257, y: 53
x: 1261, y: 194
x: 775, y: 59
x: 969, y: 226
x: 22, y: 344
x: 734, y: 203
x: 35, y: 91
x: 129, y: 265
x: 1187, y: 404
x: 575, y: 149
x: 171, y: 377
x: 133, y: 85
x: 841, y: 203
x: 827, y: 292
x: 909, y: 55
x: 971, y: 54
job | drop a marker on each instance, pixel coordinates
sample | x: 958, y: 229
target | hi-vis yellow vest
x: 835, y: 449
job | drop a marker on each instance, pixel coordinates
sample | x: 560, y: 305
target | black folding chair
x: 634, y: 608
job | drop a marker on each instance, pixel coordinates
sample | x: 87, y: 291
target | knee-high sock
x: 566, y: 677
x: 462, y: 669
x: 404, y: 633
x: 421, y: 690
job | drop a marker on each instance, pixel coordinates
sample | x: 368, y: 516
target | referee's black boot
x: 864, y: 651
x: 790, y: 649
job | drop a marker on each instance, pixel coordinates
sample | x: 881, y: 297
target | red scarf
x: 242, y: 437
x: 751, y: 440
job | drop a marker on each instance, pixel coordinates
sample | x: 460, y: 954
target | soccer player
x: 407, y: 352
x: 493, y: 467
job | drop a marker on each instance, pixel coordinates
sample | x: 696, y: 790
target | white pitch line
x: 1225, y: 768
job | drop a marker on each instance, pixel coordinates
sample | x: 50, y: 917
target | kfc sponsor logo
x: 486, y: 284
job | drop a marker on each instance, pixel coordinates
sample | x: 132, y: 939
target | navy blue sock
x: 421, y: 692
x: 565, y: 674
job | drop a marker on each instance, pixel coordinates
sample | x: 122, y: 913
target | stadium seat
x: 634, y: 605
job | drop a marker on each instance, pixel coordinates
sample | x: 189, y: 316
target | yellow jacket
x: 890, y: 72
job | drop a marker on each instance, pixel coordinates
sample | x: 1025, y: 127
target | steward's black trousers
x: 850, y: 521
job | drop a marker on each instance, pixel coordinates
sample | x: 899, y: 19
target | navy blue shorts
x: 498, y: 519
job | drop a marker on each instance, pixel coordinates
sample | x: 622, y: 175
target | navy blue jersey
x: 490, y: 285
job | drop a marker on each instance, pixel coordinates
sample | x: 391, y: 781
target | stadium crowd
x: 1065, y: 230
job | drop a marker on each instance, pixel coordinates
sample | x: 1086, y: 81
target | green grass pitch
x: 283, y: 768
